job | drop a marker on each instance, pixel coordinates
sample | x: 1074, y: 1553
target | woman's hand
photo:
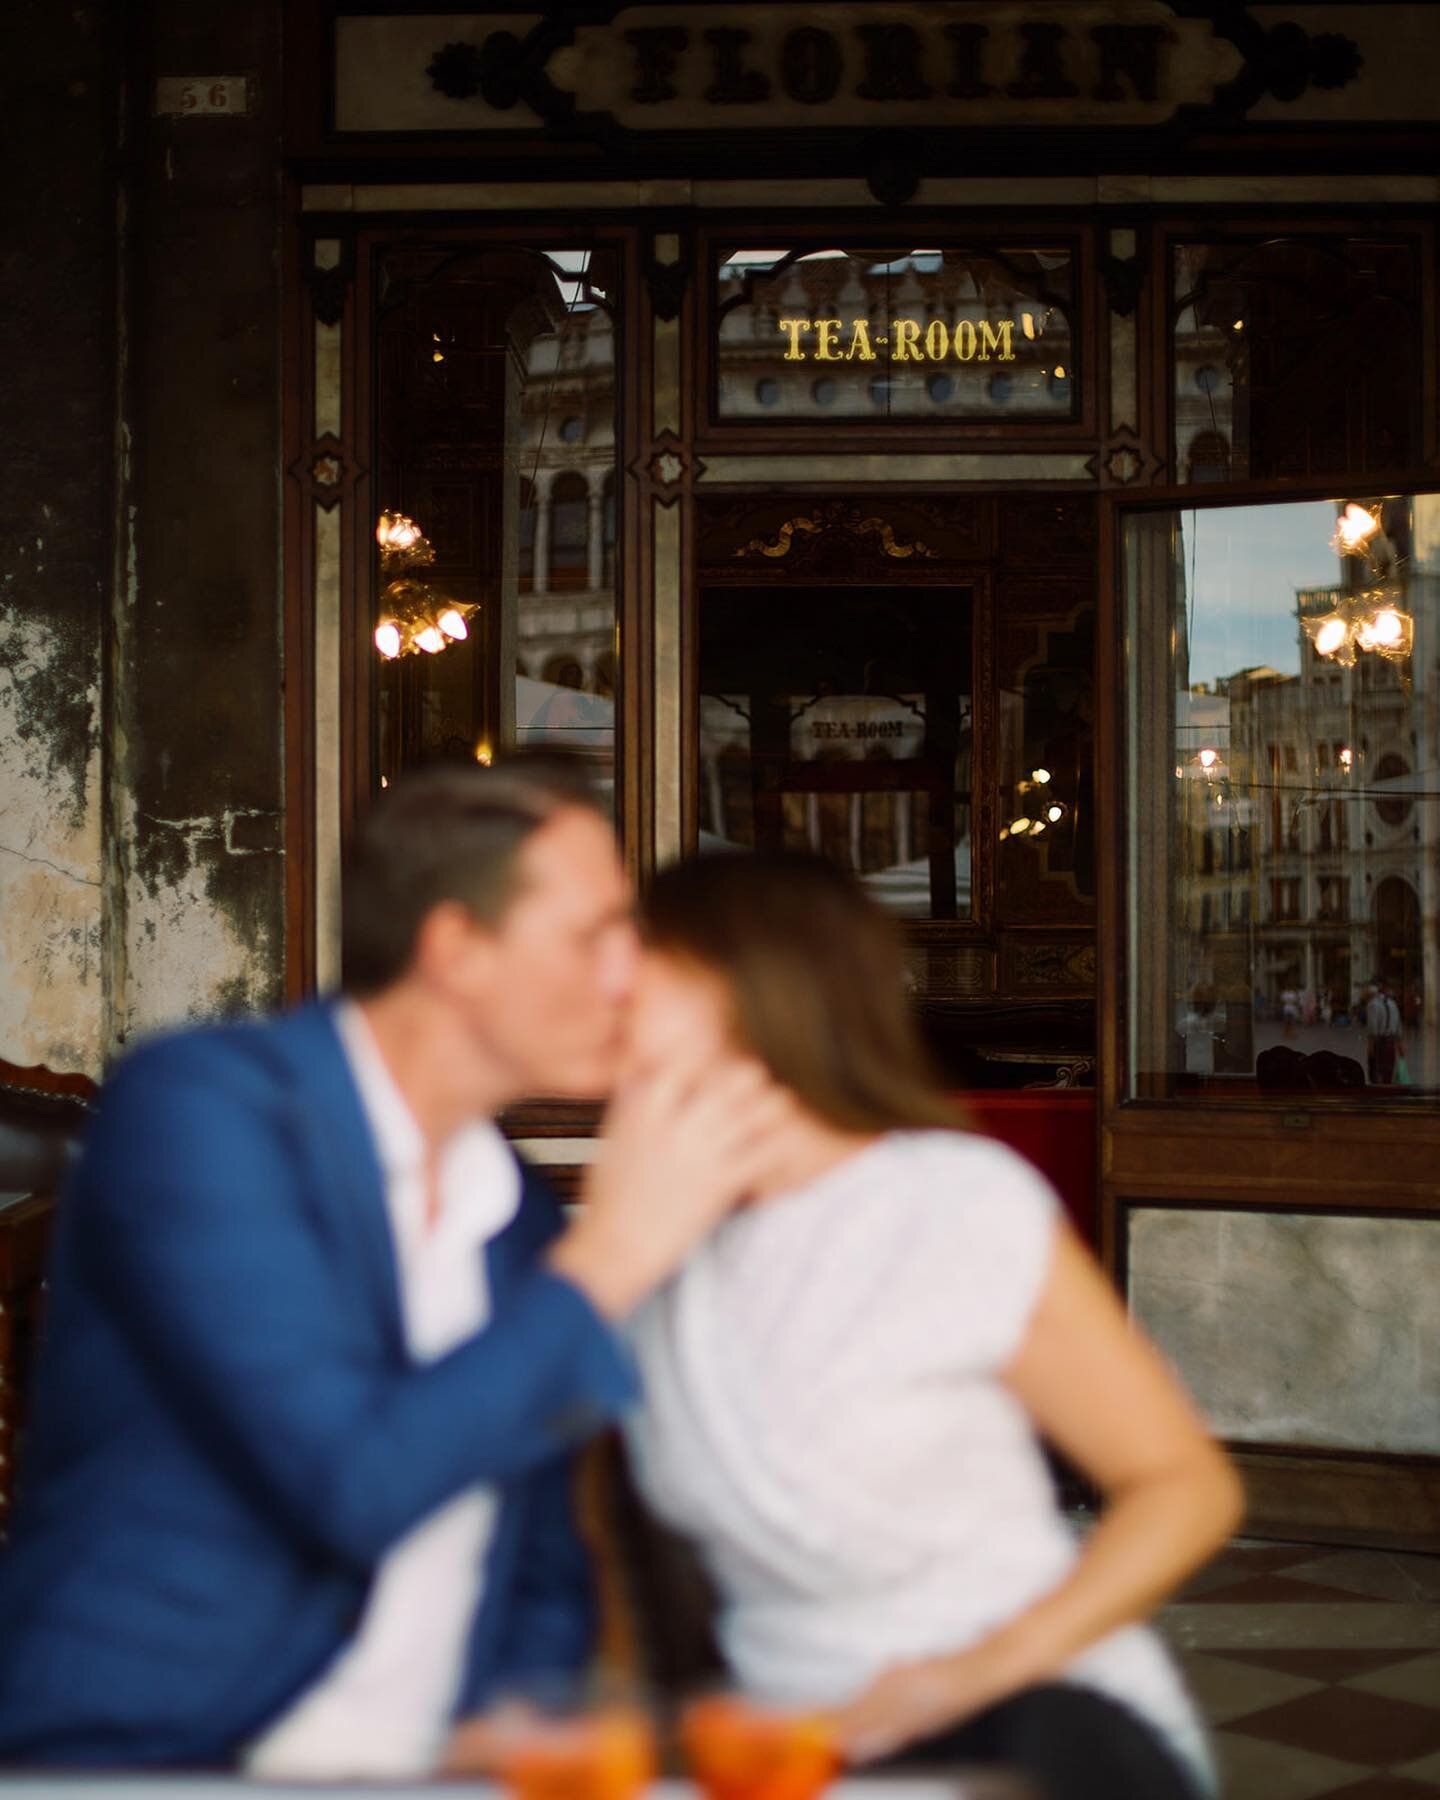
x: 479, y: 1744
x: 920, y: 1700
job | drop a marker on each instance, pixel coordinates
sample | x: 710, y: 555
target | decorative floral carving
x: 506, y: 70
x: 667, y: 468
x: 324, y: 469
x: 836, y: 515
x: 454, y: 70
x: 941, y: 973
x: 1050, y: 965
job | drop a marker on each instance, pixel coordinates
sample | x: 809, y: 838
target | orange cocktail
x: 739, y: 1751
x: 605, y: 1756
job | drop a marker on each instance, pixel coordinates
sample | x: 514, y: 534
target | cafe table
x: 80, y: 1786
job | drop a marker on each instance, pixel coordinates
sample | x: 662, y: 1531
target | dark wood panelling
x: 1311, y: 1497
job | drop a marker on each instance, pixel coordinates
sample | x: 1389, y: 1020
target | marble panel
x: 1297, y: 1328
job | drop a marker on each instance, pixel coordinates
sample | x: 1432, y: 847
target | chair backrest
x: 42, y: 1118
x: 659, y: 1601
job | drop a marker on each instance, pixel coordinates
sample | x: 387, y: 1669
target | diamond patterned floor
x: 1319, y: 1670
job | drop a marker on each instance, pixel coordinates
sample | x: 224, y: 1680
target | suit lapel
x: 339, y: 1150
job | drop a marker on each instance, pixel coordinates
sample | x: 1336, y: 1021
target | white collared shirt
x: 383, y: 1707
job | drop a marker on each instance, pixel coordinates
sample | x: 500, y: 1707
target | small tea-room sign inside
x: 904, y: 340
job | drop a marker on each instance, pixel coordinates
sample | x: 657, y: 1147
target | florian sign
x: 905, y: 340
x: 590, y: 70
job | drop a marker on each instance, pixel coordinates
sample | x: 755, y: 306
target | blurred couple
x: 297, y: 1492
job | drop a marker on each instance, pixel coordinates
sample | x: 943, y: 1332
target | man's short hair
x: 450, y: 832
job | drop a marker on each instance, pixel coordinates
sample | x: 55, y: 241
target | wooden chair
x: 42, y: 1115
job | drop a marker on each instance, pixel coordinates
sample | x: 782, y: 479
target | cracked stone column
x: 194, y: 713
x: 57, y: 355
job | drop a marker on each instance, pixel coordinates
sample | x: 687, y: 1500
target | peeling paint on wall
x: 51, y: 978
x: 201, y: 937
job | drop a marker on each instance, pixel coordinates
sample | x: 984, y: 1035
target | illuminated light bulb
x: 1055, y: 814
x: 384, y: 781
x: 452, y: 623
x: 1027, y: 324
x: 1004, y: 833
x: 388, y: 640
x: 437, y: 356
x: 1060, y: 372
x: 1386, y: 629
x: 1347, y: 758
x: 1037, y: 828
x: 1018, y: 827
x: 1330, y: 635
x: 1219, y: 799
x: 430, y: 639
x: 484, y: 755
x: 1179, y: 773
x: 1207, y: 759
x: 396, y: 532
x: 1040, y: 776
x: 1239, y: 325
x: 1354, y: 529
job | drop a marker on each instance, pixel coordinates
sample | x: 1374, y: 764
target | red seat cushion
x: 1054, y: 1128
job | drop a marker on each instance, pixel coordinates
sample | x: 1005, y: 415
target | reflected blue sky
x: 1243, y: 565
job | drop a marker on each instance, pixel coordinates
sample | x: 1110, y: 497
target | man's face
x: 551, y: 1005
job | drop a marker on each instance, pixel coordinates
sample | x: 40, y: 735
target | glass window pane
x: 1295, y: 356
x: 496, y: 426
x: 880, y: 334
x: 1283, y: 816
x: 840, y: 721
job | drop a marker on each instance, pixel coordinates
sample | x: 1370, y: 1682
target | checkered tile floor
x: 1319, y: 1670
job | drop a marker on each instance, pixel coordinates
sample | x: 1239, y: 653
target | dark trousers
x: 1383, y: 1053
x: 1068, y: 1743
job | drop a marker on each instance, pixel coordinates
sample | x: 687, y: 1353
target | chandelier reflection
x: 1373, y: 619
x: 1039, y: 807
x: 413, y: 617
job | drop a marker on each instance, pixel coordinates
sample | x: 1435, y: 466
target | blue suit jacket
x: 227, y: 1432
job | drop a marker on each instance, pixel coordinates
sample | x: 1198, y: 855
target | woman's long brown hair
x: 817, y: 979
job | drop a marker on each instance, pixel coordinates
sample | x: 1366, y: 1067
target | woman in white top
x: 846, y: 1387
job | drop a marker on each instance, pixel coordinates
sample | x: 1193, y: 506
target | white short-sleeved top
x: 825, y: 1416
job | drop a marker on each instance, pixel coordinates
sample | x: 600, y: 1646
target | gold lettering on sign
x: 998, y: 338
x: 905, y: 335
x: 860, y: 342
x: 907, y: 340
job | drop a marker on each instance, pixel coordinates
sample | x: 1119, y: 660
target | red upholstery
x: 1055, y: 1129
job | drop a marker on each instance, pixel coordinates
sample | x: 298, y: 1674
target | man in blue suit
x: 319, y: 1353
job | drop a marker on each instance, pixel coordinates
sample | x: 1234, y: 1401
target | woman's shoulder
x: 968, y: 1227
x: 953, y: 1183
x: 986, y: 1167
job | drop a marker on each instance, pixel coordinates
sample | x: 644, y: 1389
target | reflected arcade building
x: 925, y: 434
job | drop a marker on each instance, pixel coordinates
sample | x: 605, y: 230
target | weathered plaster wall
x: 56, y: 378
x: 141, y: 874
x: 195, y: 804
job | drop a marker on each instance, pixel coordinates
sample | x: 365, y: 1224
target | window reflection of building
x: 1294, y: 355
x: 1310, y: 844
x: 497, y: 433
x: 566, y: 615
